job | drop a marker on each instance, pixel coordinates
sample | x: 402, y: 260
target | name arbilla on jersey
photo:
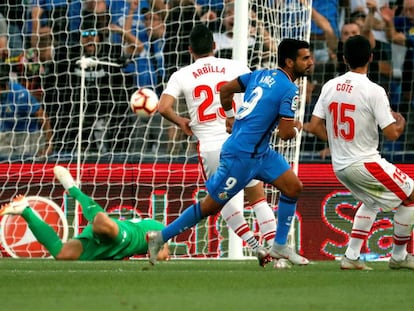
x: 208, y: 69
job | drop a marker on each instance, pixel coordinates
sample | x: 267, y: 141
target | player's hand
x: 184, y: 124
x: 397, y: 116
x: 229, y: 125
x: 306, y: 126
x: 298, y: 125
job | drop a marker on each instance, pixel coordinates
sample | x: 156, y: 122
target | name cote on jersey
x: 208, y: 68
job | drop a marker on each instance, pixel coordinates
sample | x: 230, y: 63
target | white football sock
x: 232, y: 213
x: 266, y: 220
x: 363, y: 221
x: 403, y: 220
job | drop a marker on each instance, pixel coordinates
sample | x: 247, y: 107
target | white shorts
x: 379, y: 185
x: 210, y: 160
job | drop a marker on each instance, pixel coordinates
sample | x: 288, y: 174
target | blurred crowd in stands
x: 43, y: 41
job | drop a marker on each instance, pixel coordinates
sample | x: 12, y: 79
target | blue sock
x: 190, y: 217
x: 285, y: 214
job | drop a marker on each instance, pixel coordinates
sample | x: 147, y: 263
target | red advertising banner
x: 324, y: 213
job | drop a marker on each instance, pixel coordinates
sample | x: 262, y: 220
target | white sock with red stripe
x: 266, y: 220
x: 403, y: 220
x: 363, y: 221
x: 232, y: 213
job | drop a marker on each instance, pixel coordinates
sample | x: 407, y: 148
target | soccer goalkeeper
x: 103, y: 238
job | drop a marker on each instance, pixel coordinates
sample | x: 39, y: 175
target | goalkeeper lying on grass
x: 103, y: 238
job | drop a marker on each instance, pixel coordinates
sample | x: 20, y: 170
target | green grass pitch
x: 199, y: 285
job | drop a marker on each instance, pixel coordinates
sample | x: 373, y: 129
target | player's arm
x: 226, y: 99
x: 394, y: 130
x: 317, y: 127
x: 166, y: 109
x: 288, y: 128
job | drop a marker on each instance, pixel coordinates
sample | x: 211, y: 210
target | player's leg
x: 290, y: 187
x: 189, y: 218
x: 71, y: 250
x: 89, y: 207
x: 354, y: 179
x: 360, y: 179
x: 104, y: 226
x: 44, y: 233
x: 232, y: 213
x: 264, y: 214
x: 228, y: 180
x: 403, y: 223
x: 274, y: 169
x: 363, y: 220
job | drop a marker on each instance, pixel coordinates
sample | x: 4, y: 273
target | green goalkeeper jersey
x: 130, y: 240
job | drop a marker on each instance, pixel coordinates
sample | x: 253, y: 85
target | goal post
x: 147, y: 166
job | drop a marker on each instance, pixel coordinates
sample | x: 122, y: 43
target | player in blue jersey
x: 270, y: 101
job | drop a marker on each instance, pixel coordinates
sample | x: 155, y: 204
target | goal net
x: 132, y: 166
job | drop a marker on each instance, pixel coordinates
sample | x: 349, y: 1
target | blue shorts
x: 236, y: 171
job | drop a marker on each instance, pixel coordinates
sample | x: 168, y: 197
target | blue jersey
x: 246, y: 154
x: 269, y: 95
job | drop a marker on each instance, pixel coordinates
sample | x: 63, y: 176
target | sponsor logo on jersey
x: 223, y: 195
x: 295, y: 103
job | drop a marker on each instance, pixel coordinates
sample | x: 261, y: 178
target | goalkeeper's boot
x: 350, y: 264
x: 406, y: 263
x: 263, y: 256
x: 155, y: 243
x: 286, y: 252
x: 65, y: 178
x: 16, y: 207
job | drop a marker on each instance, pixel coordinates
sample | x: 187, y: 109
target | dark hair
x: 357, y: 51
x: 357, y: 14
x: 289, y: 48
x: 201, y: 39
x: 4, y: 74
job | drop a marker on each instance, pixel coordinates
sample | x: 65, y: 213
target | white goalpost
x: 148, y: 168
